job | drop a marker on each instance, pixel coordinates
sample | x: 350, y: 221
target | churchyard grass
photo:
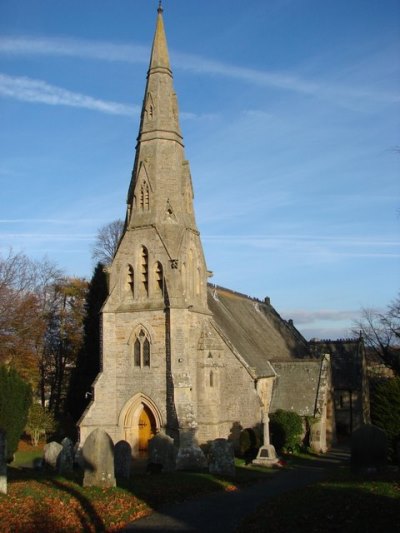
x: 43, y: 501
x: 347, y: 502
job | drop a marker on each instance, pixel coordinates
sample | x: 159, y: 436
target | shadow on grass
x: 350, y: 503
x: 41, y: 519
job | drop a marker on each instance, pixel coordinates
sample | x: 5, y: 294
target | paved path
x: 223, y: 512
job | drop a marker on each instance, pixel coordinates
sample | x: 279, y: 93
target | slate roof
x: 346, y: 359
x: 255, y: 330
x: 296, y: 386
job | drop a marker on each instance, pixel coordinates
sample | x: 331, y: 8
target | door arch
x: 140, y: 419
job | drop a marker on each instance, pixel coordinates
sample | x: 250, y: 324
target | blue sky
x: 290, y: 115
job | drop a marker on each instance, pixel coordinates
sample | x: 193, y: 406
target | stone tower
x: 157, y: 300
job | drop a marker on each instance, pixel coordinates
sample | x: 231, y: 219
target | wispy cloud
x: 71, y: 47
x: 106, y: 51
x: 312, y: 248
x: 302, y: 316
x: 32, y: 90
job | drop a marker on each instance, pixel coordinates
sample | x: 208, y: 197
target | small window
x: 159, y: 278
x: 131, y: 279
x: 145, y: 269
x: 211, y: 378
x: 141, y: 350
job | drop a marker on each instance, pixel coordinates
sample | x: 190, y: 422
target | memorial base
x: 266, y: 456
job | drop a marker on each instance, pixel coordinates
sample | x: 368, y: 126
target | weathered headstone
x: 122, y: 459
x: 3, y: 462
x: 65, y: 460
x: 222, y: 458
x: 369, y: 447
x: 162, y: 452
x: 190, y: 456
x: 51, y: 452
x: 98, y: 457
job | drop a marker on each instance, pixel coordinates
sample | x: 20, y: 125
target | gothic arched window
x: 141, y: 350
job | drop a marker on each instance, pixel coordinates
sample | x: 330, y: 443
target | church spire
x: 159, y: 53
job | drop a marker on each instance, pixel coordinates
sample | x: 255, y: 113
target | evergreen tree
x: 88, y: 364
x: 385, y: 410
x: 15, y: 400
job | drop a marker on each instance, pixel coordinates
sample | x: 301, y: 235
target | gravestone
x: 51, y: 452
x: 98, y: 457
x: 122, y: 459
x: 222, y: 458
x: 65, y: 460
x: 369, y: 447
x: 162, y: 452
x: 190, y: 456
x: 3, y: 462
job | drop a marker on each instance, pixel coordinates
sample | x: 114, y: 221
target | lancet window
x: 141, y: 350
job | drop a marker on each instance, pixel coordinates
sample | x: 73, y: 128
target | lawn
x: 45, y: 502
x: 346, y: 503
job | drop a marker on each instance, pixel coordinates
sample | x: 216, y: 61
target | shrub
x: 39, y: 423
x: 249, y: 444
x: 286, y: 428
x: 15, y: 399
x: 385, y: 410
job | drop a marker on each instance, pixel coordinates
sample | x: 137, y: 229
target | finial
x: 160, y: 9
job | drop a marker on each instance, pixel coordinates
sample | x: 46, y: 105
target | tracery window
x: 141, y: 350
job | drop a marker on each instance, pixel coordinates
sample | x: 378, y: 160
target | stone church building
x: 180, y: 356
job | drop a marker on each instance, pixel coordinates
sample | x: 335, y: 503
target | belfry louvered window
x: 145, y: 269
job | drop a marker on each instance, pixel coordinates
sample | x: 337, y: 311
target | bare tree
x: 107, y: 241
x: 381, y: 332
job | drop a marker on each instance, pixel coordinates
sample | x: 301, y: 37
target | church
x: 181, y: 356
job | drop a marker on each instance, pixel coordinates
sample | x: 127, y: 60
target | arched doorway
x: 147, y: 428
x: 139, y: 420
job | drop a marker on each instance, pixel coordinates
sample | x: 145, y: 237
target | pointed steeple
x: 159, y: 53
x: 160, y: 210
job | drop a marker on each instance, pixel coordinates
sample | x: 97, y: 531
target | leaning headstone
x: 222, y: 458
x: 65, y: 460
x: 162, y: 452
x: 51, y: 452
x: 369, y: 447
x: 98, y: 457
x: 3, y: 462
x: 122, y: 459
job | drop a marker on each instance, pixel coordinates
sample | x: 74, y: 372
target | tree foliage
x: 15, y: 399
x: 40, y: 422
x: 88, y: 360
x: 381, y: 332
x: 385, y: 409
x: 63, y: 340
x: 286, y: 429
x: 107, y: 241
